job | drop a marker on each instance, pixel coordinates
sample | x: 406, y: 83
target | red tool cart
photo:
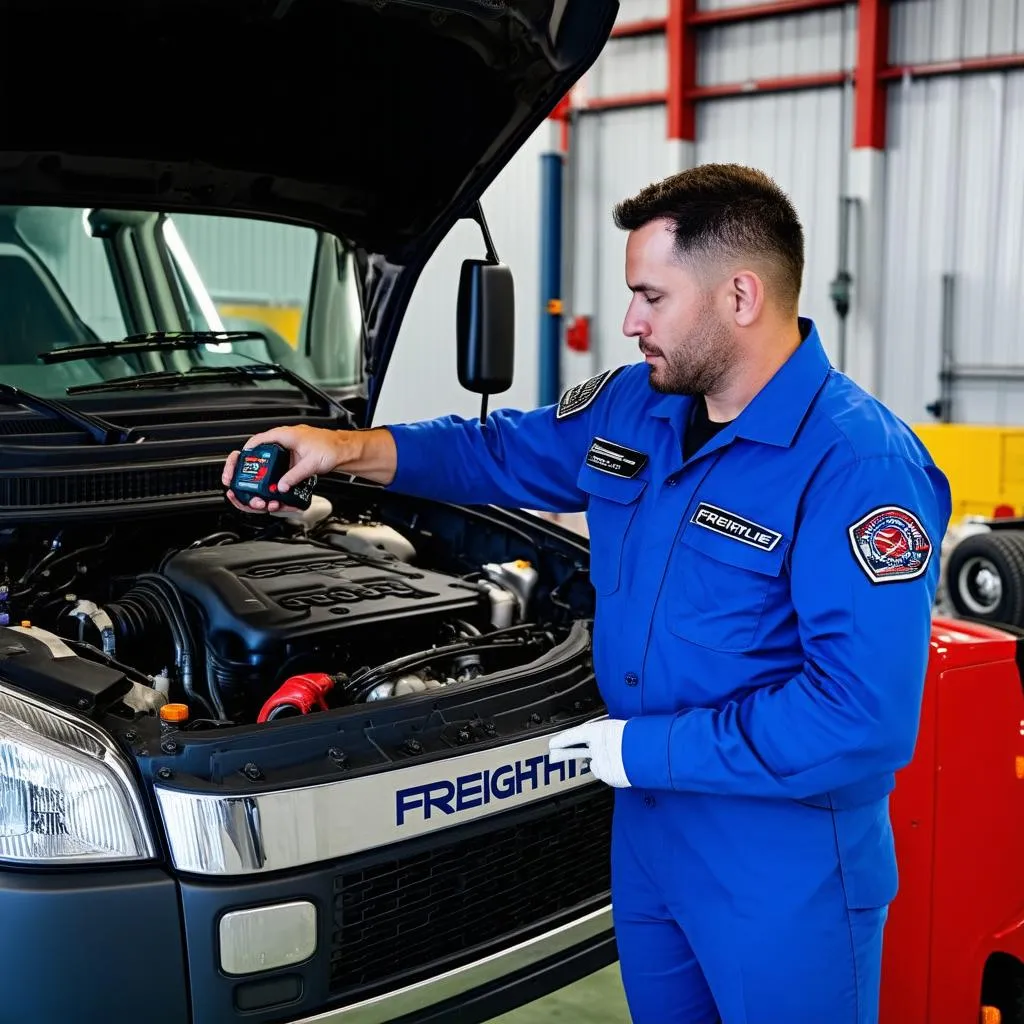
x: 955, y: 940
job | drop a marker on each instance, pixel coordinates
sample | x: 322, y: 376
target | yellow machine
x: 985, y: 466
x: 284, y: 319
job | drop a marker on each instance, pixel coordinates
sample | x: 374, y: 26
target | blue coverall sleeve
x: 515, y: 459
x: 864, y: 607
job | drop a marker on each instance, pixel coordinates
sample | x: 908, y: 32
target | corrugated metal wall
x: 954, y: 198
x: 797, y: 44
x: 615, y: 153
x: 937, y: 30
x: 955, y: 206
x: 798, y: 138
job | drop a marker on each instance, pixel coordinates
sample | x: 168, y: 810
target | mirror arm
x: 478, y: 216
x: 492, y: 257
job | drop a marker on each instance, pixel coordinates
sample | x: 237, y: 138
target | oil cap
x: 174, y: 713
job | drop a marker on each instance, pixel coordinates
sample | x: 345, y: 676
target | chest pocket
x: 611, y: 510
x: 719, y: 588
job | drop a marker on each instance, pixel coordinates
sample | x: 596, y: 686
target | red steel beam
x: 754, y: 12
x: 626, y: 100
x: 728, y: 16
x: 681, y: 115
x: 796, y: 83
x: 969, y: 65
x: 696, y: 94
x: 790, y: 83
x: 872, y: 61
x: 646, y: 27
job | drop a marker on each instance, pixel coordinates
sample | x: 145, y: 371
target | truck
x: 292, y: 769
x: 273, y: 768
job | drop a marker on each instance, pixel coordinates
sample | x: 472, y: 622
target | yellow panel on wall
x: 985, y: 466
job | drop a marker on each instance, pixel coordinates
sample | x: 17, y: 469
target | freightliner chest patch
x: 616, y: 459
x: 579, y: 396
x: 728, y: 524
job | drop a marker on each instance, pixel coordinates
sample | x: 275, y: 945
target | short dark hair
x: 726, y: 210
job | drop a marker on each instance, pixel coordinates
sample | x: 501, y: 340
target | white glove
x: 598, y: 742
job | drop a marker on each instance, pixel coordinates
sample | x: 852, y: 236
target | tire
x: 1003, y: 988
x: 985, y: 577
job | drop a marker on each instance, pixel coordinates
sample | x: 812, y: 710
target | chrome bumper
x: 464, y: 979
x: 225, y: 835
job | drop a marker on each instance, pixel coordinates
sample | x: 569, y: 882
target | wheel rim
x: 980, y: 586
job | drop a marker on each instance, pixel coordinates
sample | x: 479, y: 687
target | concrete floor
x: 597, y: 999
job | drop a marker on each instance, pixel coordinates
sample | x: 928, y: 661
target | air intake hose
x: 298, y: 695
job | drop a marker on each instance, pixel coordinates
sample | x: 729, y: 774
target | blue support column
x: 550, y: 278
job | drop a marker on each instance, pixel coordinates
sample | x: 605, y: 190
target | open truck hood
x: 381, y: 121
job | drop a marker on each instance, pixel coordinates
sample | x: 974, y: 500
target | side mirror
x: 486, y: 327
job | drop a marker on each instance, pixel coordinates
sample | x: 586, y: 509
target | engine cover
x: 266, y: 593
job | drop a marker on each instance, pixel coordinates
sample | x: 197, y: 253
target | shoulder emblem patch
x: 579, y: 396
x: 890, y: 544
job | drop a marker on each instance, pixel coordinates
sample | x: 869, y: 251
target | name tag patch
x: 616, y: 459
x: 728, y: 524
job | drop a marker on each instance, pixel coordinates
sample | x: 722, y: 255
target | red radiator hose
x: 299, y: 693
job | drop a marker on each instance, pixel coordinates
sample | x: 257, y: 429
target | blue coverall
x: 763, y: 622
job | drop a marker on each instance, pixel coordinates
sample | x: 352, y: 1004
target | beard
x: 697, y: 362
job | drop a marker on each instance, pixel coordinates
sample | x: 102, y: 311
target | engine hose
x: 505, y: 637
x: 298, y: 695
x: 87, y: 611
x: 176, y: 608
x: 360, y: 687
x: 151, y: 605
x: 213, y: 686
x: 92, y: 653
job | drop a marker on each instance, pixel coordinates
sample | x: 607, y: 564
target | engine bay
x: 218, y: 620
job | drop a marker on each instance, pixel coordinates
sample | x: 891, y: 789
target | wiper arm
x: 100, y: 430
x: 250, y: 373
x: 156, y: 342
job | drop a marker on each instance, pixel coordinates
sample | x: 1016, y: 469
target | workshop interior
x: 294, y: 764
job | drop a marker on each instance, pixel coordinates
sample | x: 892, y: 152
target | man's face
x: 675, y: 317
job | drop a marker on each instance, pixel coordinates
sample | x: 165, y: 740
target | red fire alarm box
x: 577, y: 334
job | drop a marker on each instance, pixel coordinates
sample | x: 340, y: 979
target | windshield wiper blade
x: 161, y: 341
x: 100, y: 430
x: 249, y: 373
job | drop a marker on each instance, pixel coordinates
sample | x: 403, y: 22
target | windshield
x: 75, y: 276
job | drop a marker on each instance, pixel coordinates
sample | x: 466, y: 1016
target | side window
x: 64, y: 264
x: 56, y: 290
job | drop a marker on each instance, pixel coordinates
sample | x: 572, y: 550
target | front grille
x: 400, y: 917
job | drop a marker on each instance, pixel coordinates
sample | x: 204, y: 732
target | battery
x: 258, y: 471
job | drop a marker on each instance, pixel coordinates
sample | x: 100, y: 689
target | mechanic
x: 765, y: 541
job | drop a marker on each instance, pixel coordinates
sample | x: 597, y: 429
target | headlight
x: 66, y: 794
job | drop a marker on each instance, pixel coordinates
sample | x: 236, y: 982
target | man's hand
x: 599, y: 742
x: 315, y: 452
